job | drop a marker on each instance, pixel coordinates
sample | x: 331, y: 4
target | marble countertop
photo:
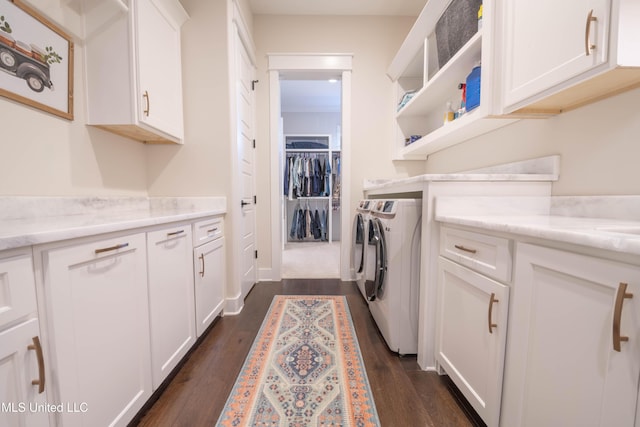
x: 609, y: 222
x: 542, y: 169
x: 26, y: 221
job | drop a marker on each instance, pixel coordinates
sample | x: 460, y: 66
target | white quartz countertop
x: 31, y: 221
x: 609, y: 222
x: 542, y: 169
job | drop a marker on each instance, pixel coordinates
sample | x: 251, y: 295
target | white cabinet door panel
x: 22, y: 404
x: 209, y: 267
x: 171, y: 303
x: 546, y: 43
x: 472, y: 330
x: 562, y: 368
x: 99, y: 328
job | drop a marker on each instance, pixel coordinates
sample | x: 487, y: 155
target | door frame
x: 309, y: 66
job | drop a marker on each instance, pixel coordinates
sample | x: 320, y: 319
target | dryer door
x: 381, y: 258
x: 357, y: 246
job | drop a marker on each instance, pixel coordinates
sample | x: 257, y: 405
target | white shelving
x: 415, y: 68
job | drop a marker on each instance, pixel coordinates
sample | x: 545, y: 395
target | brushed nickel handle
x: 617, y: 316
x: 462, y: 248
x: 145, y: 95
x: 587, y: 33
x: 38, y: 349
x: 202, y: 263
x: 492, y: 300
x: 111, y: 248
x: 175, y: 233
x: 212, y: 230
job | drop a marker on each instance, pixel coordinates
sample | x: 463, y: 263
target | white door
x: 246, y: 167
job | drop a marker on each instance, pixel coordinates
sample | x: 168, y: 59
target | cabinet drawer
x: 486, y: 254
x: 207, y: 230
x: 17, y: 286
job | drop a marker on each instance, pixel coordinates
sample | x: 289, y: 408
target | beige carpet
x: 311, y: 260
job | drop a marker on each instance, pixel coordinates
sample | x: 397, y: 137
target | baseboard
x: 266, y: 275
x: 233, y: 306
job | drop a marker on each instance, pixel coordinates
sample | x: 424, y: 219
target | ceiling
x: 310, y: 96
x: 337, y: 7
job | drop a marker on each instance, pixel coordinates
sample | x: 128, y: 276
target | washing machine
x: 360, y: 242
x: 394, y: 294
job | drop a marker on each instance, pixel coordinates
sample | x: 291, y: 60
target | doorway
x: 311, y: 114
x: 295, y: 69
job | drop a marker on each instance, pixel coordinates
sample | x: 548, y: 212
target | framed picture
x: 36, y: 60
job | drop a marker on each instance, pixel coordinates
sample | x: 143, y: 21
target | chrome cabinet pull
x: 212, y: 230
x: 111, y: 248
x: 145, y: 95
x: 175, y: 233
x: 490, y: 314
x: 462, y: 248
x: 617, y: 316
x: 38, y: 349
x: 202, y: 263
x: 588, y: 47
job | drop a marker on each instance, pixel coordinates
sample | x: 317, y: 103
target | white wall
x: 373, y: 42
x: 201, y: 166
x: 598, y: 145
x: 43, y: 155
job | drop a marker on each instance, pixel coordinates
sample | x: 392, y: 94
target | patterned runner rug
x: 304, y: 369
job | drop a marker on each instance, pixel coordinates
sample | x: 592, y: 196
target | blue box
x: 473, y: 88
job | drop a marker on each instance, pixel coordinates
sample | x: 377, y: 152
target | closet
x: 310, y: 185
x: 311, y: 188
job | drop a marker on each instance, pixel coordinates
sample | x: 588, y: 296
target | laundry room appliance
x: 394, y: 294
x: 360, y: 242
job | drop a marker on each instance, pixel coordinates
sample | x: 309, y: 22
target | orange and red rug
x: 304, y: 369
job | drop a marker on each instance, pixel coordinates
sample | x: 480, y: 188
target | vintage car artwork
x: 28, y: 62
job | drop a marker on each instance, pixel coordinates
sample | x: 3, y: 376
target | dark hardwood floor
x: 405, y: 396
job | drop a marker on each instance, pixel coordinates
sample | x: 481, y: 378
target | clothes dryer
x: 360, y: 240
x: 394, y: 293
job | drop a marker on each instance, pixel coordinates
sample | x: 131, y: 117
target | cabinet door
x: 22, y: 404
x: 472, y: 330
x: 17, y: 286
x: 171, y: 304
x: 562, y: 369
x: 159, y: 68
x: 99, y: 321
x: 209, y: 268
x: 546, y: 43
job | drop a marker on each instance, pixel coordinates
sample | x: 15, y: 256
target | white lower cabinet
x: 22, y: 371
x: 23, y: 374
x: 573, y: 356
x: 98, y: 329
x: 210, y: 273
x: 171, y: 300
x: 471, y: 335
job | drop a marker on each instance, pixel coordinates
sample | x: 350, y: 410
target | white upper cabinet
x: 561, y: 55
x: 134, y: 69
x: 430, y: 65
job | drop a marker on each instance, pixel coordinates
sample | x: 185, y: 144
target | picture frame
x: 36, y: 60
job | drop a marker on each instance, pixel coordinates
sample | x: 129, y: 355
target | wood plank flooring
x: 405, y: 396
